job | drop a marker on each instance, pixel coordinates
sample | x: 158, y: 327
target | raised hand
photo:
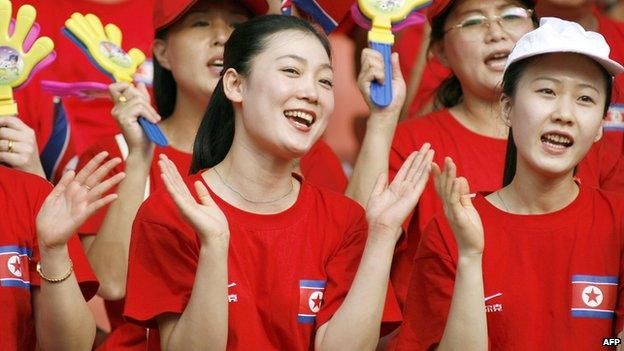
x: 104, y: 45
x: 388, y: 206
x: 373, y: 70
x: 131, y: 103
x: 458, y: 209
x: 205, y: 217
x: 74, y: 199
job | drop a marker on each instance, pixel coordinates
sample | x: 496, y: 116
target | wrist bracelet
x: 56, y: 280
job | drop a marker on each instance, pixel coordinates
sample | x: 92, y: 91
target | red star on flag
x: 592, y: 296
x: 317, y: 301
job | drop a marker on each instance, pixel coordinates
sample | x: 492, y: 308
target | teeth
x: 299, y: 114
x: 217, y: 63
x: 557, y: 139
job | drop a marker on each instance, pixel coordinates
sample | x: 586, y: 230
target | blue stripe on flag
x: 312, y: 283
x: 604, y: 279
x: 15, y: 248
x: 592, y: 314
x: 14, y: 283
x: 57, y: 144
x: 306, y: 319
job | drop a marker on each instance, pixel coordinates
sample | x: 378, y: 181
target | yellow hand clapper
x: 102, y: 45
x: 21, y: 53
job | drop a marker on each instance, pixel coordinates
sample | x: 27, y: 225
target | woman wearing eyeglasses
x: 473, y: 38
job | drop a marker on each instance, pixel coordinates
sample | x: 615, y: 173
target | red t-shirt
x: 481, y: 160
x: 551, y: 281
x: 321, y: 166
x: 21, y: 197
x: 89, y: 120
x: 280, y: 267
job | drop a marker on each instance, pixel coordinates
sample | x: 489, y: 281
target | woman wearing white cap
x: 535, y: 265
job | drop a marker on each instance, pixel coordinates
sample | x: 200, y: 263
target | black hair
x: 216, y: 131
x: 449, y: 92
x: 164, y: 85
x: 512, y: 76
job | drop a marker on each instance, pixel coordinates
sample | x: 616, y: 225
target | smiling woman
x: 262, y: 258
x: 544, y: 250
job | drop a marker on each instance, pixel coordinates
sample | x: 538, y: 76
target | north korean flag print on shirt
x: 14, y: 266
x: 310, y: 299
x: 594, y: 296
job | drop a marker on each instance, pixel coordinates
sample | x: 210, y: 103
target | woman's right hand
x: 372, y: 63
x: 131, y: 103
x: 458, y: 209
x: 205, y: 217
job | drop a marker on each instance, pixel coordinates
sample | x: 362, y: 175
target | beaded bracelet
x: 56, y: 280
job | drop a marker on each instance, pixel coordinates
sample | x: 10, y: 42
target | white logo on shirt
x: 497, y: 307
x: 232, y: 297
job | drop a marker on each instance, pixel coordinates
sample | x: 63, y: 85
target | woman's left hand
x: 389, y: 206
x: 74, y: 199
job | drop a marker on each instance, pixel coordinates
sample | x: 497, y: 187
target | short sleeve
x: 341, y: 269
x: 321, y: 167
x: 430, y: 293
x: 161, y: 268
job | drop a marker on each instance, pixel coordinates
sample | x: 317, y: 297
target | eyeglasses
x: 510, y: 19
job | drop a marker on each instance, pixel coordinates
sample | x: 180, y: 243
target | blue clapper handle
x: 152, y: 130
x: 381, y: 94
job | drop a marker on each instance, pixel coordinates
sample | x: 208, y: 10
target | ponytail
x: 216, y: 132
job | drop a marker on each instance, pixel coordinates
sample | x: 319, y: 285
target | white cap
x: 556, y: 35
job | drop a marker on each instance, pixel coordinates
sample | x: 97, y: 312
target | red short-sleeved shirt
x: 21, y: 197
x: 551, y: 281
x: 280, y: 267
x: 321, y: 166
x: 481, y: 160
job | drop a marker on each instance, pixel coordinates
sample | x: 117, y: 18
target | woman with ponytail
x: 246, y: 255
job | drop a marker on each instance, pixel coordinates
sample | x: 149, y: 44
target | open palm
x: 388, y: 206
x: 205, y: 217
x: 458, y: 209
x: 74, y: 199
